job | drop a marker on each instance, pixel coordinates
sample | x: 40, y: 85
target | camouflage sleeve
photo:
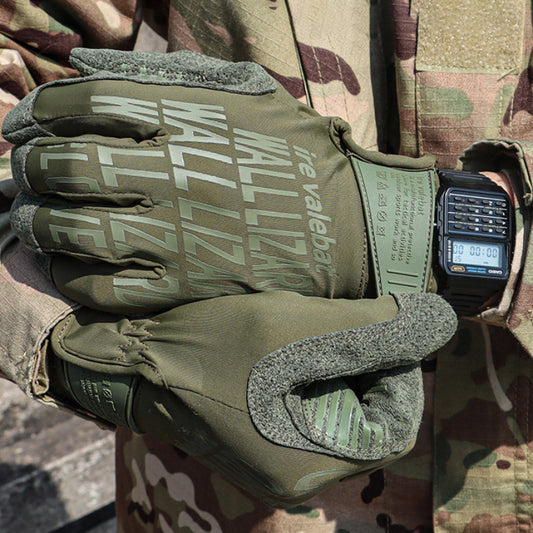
x: 514, y: 160
x: 36, y: 39
x: 520, y: 317
x: 293, y: 41
x: 35, y: 42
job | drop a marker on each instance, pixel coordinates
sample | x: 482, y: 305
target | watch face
x: 475, y: 229
x: 477, y: 254
x: 475, y: 240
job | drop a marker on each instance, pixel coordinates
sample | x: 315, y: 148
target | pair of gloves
x: 213, y: 230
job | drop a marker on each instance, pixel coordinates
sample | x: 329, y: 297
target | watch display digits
x: 475, y: 233
x: 482, y: 255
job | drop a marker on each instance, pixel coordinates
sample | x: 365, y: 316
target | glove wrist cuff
x: 109, y: 397
x: 399, y: 207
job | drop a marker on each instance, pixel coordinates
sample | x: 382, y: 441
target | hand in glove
x: 158, y: 179
x: 284, y: 394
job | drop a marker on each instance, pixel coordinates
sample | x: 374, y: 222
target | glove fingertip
x: 19, y: 125
x: 19, y: 155
x: 434, y: 318
x: 87, y: 61
x: 22, y: 216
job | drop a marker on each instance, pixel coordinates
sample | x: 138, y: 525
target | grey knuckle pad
x: 186, y: 68
x: 297, y: 397
x: 22, y: 215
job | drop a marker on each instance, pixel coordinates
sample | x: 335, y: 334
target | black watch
x: 474, y: 239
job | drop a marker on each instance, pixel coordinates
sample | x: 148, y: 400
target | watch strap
x: 467, y: 299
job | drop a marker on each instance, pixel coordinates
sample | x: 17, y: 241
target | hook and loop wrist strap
x: 399, y: 207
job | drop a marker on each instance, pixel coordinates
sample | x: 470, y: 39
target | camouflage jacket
x: 410, y: 76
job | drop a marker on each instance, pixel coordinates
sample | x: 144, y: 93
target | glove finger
x: 110, y: 102
x: 121, y: 93
x: 89, y: 169
x: 122, y: 289
x: 74, y: 107
x: 95, y: 233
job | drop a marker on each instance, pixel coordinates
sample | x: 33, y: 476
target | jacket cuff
x: 515, y: 160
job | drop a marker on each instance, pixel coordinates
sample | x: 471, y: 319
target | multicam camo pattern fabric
x: 461, y: 69
x: 421, y: 77
x: 483, y: 442
x: 36, y: 38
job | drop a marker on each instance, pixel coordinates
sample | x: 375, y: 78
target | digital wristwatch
x: 474, y: 239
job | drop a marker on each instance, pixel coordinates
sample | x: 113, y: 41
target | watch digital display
x: 477, y: 253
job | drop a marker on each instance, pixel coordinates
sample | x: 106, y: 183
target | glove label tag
x: 399, y: 208
x: 107, y: 396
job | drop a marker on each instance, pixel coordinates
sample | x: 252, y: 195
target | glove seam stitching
x: 192, y: 391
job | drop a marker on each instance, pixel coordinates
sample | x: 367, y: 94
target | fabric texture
x: 40, y: 306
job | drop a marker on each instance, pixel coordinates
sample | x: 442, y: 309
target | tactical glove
x: 283, y: 394
x: 156, y: 180
x: 159, y: 179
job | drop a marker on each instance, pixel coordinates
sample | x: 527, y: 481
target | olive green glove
x: 159, y: 179
x: 283, y: 394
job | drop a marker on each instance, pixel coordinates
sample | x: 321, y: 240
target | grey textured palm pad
x: 423, y: 324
